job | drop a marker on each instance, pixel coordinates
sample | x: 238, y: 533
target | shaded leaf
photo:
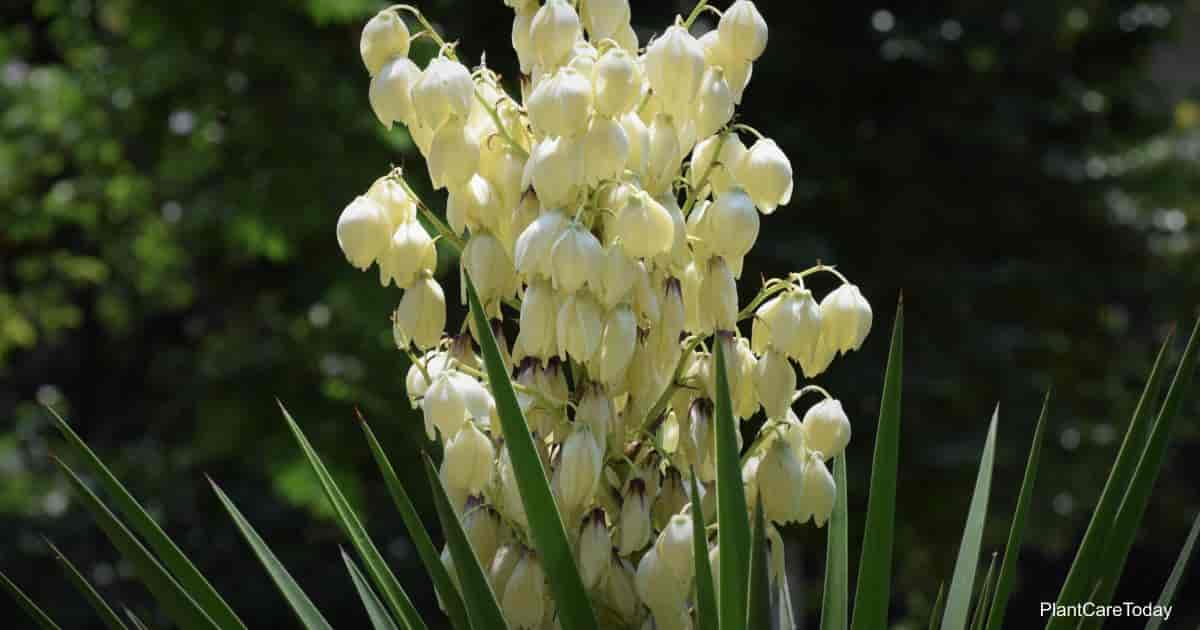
x: 706, y: 596
x: 835, y: 604
x: 962, y: 585
x: 110, y: 618
x: 1168, y: 592
x: 758, y: 606
x: 380, y: 620
x: 31, y: 609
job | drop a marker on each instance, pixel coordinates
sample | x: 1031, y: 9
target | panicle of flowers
x: 604, y: 216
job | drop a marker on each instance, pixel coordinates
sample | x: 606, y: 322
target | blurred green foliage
x: 170, y: 176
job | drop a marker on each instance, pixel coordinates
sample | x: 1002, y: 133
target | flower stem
x: 699, y: 8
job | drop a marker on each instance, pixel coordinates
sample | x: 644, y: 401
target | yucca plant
x: 594, y: 473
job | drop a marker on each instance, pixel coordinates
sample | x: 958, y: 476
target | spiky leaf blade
x: 32, y: 610
x: 85, y: 588
x: 962, y: 584
x: 835, y: 606
x: 733, y: 535
x: 376, y: 612
x: 706, y: 595
x: 758, y: 606
x: 1167, y: 597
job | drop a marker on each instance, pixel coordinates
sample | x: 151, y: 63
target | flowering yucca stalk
x: 608, y: 212
x: 587, y: 465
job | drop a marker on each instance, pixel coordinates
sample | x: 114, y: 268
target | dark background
x: 171, y: 174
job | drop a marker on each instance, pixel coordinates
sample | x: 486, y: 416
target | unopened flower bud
x: 766, y: 174
x: 445, y: 89
x: 733, y: 223
x: 845, y: 318
x: 819, y: 491
x: 390, y: 94
x: 524, y: 597
x: 616, y: 346
x: 576, y: 259
x: 826, y: 428
x: 714, y: 102
x: 675, y: 66
x: 539, y: 317
x: 615, y: 83
x: 634, y: 528
x: 553, y: 31
x: 775, y: 382
x: 579, y: 469
x: 580, y: 324
x: 489, y: 267
x: 595, y: 548
x: 781, y: 483
x: 411, y: 255
x: 644, y: 227
x: 421, y: 316
x: 718, y: 297
x: 363, y: 232
x: 453, y: 156
x: 605, y: 150
x: 559, y: 105
x: 385, y: 37
x: 744, y: 30
x: 469, y: 456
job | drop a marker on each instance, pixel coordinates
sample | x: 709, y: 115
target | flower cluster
x: 609, y: 211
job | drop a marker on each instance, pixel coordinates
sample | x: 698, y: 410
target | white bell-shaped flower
x: 634, y: 526
x: 397, y: 204
x: 559, y: 105
x: 766, y: 174
x: 385, y: 37
x: 645, y: 297
x: 489, y: 267
x: 469, y: 455
x: 819, y: 492
x: 421, y: 316
x: 536, y: 243
x: 733, y: 224
x: 827, y: 428
x: 781, y: 483
x: 620, y: 590
x: 578, y: 471
x: 676, y: 258
x: 522, y: 39
x: 718, y: 167
x: 775, y: 381
x: 503, y: 563
x: 718, y: 297
x: 659, y: 587
x: 524, y: 598
x: 616, y: 82
x: 595, y: 548
x: 363, y: 232
x: 445, y: 89
x: 554, y: 29
x: 472, y: 205
x: 738, y: 70
x: 411, y: 255
x: 664, y: 154
x: 434, y: 362
x: 580, y: 324
x: 539, y: 317
x: 510, y: 492
x: 391, y: 91
x: 605, y: 150
x: 453, y: 155
x: 503, y: 169
x: 674, y: 318
x: 482, y: 525
x: 714, y: 102
x: 794, y: 326
x: 555, y: 170
x: 744, y: 30
x: 450, y: 400
x: 674, y: 67
x: 618, y: 273
x: 583, y: 57
x: 674, y: 547
x: 617, y: 346
x: 638, y: 135
x: 644, y: 226
x: 603, y: 18
x: 845, y: 318
x: 576, y: 259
